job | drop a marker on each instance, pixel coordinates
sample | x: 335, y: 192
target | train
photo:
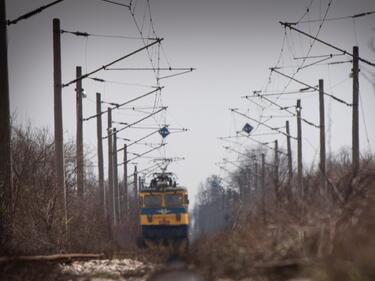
x: 163, y: 211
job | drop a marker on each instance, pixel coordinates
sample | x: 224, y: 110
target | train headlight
x: 149, y: 218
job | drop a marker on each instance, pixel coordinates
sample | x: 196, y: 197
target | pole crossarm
x: 261, y: 123
x: 310, y: 87
x: 113, y: 62
x: 136, y: 122
x: 176, y: 74
x: 138, y: 140
x: 253, y: 157
x: 256, y: 93
x: 288, y: 24
x: 153, y: 68
x: 116, y: 106
x: 32, y: 13
x: 117, y: 3
x: 243, y: 136
x: 142, y: 154
x: 266, y: 145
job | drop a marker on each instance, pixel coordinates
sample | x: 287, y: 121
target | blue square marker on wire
x: 164, y: 132
x: 247, y: 128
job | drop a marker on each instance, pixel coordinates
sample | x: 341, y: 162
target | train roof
x: 161, y: 190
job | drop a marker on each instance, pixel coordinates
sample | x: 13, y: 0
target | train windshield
x: 173, y: 200
x: 152, y: 201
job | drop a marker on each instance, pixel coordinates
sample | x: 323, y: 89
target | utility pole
x: 263, y: 187
x: 289, y: 147
x: 126, y: 201
x: 79, y: 136
x: 59, y: 143
x: 115, y: 179
x: 299, y: 149
x: 5, y: 135
x: 136, y: 201
x: 322, y: 164
x: 110, y: 164
x: 102, y: 191
x: 256, y: 175
x: 355, y: 126
x: 277, y: 171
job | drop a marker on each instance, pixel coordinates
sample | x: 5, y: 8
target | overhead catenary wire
x: 117, y: 3
x: 262, y: 123
x: 312, y: 87
x: 338, y: 18
x: 113, y: 62
x: 310, y: 46
x: 87, y: 34
x: 33, y: 12
x: 116, y: 106
x: 136, y: 122
x: 286, y: 109
x: 289, y: 25
x: 138, y: 140
x: 142, y: 154
x: 101, y: 80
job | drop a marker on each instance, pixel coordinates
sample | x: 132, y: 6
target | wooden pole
x: 110, y: 165
x: 299, y: 149
x: 355, y: 126
x: 59, y: 142
x: 102, y: 191
x: 5, y: 135
x: 115, y: 180
x: 289, y: 147
x: 79, y: 133
x: 322, y: 164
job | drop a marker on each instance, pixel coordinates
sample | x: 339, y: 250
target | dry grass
x: 329, y: 236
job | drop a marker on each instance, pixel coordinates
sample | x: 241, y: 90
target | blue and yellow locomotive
x: 164, y: 210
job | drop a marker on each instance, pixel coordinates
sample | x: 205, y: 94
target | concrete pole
x: 126, y: 200
x: 263, y: 186
x: 5, y: 135
x: 355, y: 125
x: 110, y: 165
x: 58, y: 125
x: 116, y: 206
x: 299, y: 149
x: 79, y: 134
x: 102, y: 191
x: 289, y: 147
x: 322, y: 164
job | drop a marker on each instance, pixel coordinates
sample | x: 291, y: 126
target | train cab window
x: 173, y: 200
x: 152, y: 201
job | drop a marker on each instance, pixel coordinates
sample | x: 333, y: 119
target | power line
x: 111, y: 63
x: 136, y: 122
x: 116, y: 106
x: 151, y: 68
x: 142, y: 154
x: 286, y: 24
x: 33, y: 12
x: 261, y: 123
x: 116, y: 3
x: 138, y: 140
x: 337, y: 18
x: 285, y: 108
x: 312, y: 87
x: 86, y: 34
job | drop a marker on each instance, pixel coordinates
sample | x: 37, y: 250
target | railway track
x: 76, y: 267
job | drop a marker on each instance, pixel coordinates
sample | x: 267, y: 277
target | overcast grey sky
x: 231, y: 43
